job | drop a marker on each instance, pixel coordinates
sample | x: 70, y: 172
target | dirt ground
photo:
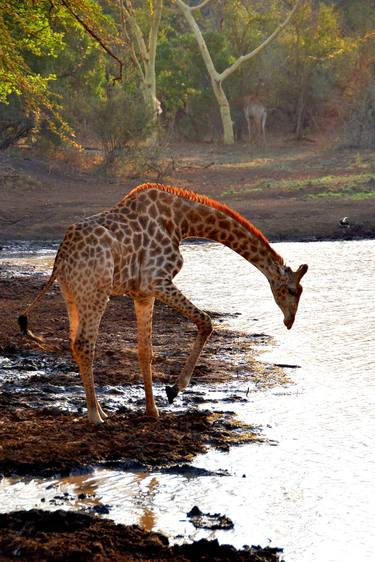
x: 291, y: 191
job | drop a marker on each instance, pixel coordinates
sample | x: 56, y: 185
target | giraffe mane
x: 204, y: 200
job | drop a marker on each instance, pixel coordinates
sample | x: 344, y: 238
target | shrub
x: 118, y: 121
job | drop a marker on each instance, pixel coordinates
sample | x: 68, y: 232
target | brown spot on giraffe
x: 153, y: 219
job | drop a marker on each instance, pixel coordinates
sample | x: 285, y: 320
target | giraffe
x: 254, y: 111
x: 133, y: 249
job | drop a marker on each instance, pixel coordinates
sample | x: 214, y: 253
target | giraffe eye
x: 292, y: 292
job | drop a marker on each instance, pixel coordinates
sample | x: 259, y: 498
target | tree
x: 315, y: 44
x: 217, y: 78
x: 142, y: 45
x: 33, y: 29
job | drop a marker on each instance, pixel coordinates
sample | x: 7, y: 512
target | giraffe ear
x: 301, y: 271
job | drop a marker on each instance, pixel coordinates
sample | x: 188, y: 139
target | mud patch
x: 46, y: 442
x: 37, y: 535
x: 226, y: 355
x: 43, y: 428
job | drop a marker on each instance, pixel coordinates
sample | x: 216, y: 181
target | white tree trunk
x: 144, y: 55
x: 226, y: 118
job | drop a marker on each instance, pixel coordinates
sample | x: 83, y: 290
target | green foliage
x: 316, y: 36
x: 25, y: 31
x: 315, y: 54
x: 54, y: 67
x: 32, y: 34
x: 177, y: 78
x: 247, y: 24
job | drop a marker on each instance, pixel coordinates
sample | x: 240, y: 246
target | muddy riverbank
x: 44, y: 431
x: 70, y: 537
x: 44, y: 427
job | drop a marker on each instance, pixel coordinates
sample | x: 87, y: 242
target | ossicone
x: 301, y: 271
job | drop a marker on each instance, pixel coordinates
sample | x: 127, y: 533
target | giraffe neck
x: 212, y: 224
x: 183, y: 214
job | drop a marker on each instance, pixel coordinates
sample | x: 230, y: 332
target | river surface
x: 313, y: 494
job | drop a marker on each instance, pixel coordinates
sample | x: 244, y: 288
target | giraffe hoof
x: 153, y: 414
x: 95, y: 420
x: 171, y: 393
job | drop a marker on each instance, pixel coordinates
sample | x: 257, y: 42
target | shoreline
x: 291, y: 193
x: 274, y: 240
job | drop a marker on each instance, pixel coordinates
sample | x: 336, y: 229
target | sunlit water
x: 313, y: 494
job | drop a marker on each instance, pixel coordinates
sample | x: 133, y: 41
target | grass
x: 356, y: 186
x: 347, y: 193
x: 307, y: 173
x: 231, y: 192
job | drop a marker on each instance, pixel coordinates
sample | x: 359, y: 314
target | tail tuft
x: 22, y: 321
x: 172, y: 392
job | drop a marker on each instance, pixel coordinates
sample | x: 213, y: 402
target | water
x: 313, y: 494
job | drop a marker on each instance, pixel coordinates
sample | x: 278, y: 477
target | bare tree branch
x: 260, y: 47
x: 186, y: 10
x: 95, y: 36
x: 155, y: 23
x: 135, y: 29
x: 126, y: 35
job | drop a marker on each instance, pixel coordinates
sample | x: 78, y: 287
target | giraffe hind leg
x: 83, y: 334
x: 83, y: 349
x: 248, y: 122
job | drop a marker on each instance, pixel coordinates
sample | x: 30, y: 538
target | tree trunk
x: 148, y: 87
x: 301, y: 107
x: 144, y: 59
x: 226, y: 118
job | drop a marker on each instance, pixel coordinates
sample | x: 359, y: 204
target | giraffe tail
x: 23, y: 321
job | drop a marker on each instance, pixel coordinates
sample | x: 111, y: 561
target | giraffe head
x: 287, y: 291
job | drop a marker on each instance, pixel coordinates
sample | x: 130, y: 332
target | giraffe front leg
x: 143, y: 309
x: 169, y: 294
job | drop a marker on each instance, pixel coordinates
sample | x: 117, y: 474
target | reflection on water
x: 312, y: 493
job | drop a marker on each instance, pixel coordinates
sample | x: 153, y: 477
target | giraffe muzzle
x: 289, y: 322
